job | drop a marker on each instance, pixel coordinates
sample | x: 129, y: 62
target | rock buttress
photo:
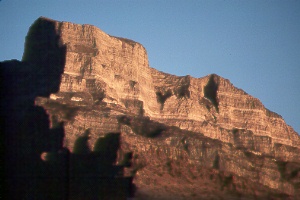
x: 106, y: 78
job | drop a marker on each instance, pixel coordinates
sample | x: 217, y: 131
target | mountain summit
x: 191, y: 138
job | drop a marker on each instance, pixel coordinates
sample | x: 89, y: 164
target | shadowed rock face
x: 25, y: 127
x: 36, y: 164
x: 192, y: 137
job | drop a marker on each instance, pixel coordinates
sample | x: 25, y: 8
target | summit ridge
x: 179, y: 128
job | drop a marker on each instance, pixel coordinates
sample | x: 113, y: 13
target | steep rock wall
x: 107, y: 77
x: 117, y: 70
x: 96, y: 61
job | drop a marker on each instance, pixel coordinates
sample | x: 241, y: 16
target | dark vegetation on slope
x: 183, y: 91
x: 143, y: 126
x: 162, y: 97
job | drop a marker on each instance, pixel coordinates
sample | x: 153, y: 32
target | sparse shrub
x: 169, y: 167
x: 185, y: 145
x: 81, y: 144
x: 137, y: 167
x: 216, y: 164
x: 132, y: 83
x: 126, y: 162
x: 98, y: 96
x: 248, y: 154
x: 162, y: 97
x: 183, y: 91
x: 124, y: 120
x: 145, y: 127
x: 227, y: 181
x: 108, y: 146
x: 65, y: 111
x: 282, y: 168
x: 235, y: 130
x: 294, y: 173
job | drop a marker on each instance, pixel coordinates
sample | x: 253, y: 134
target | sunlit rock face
x: 99, y: 63
x: 174, y: 124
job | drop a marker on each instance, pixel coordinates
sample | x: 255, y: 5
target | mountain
x: 190, y: 138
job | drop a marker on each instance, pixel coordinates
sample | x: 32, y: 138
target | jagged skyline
x: 253, y: 44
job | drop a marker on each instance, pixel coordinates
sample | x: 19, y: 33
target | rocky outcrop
x: 36, y: 164
x: 117, y: 70
x: 193, y: 130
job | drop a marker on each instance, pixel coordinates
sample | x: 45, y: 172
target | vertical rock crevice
x: 210, y: 91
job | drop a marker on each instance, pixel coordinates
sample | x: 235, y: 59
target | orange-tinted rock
x: 194, y: 122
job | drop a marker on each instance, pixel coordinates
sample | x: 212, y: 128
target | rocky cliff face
x: 198, y: 131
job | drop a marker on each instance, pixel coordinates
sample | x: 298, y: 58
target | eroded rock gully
x: 192, y: 138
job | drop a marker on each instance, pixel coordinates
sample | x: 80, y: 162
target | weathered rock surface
x: 183, y: 130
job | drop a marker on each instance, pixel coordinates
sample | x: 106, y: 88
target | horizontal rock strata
x: 171, y: 121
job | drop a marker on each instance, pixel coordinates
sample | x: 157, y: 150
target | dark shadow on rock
x: 95, y: 175
x: 36, y: 165
x: 25, y: 128
x: 146, y: 127
x: 81, y: 146
x: 210, y: 91
x: 44, y: 49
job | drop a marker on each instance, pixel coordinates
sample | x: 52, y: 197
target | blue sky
x: 254, y: 44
